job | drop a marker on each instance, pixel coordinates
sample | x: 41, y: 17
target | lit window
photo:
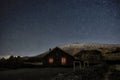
x: 63, y: 60
x: 51, y: 60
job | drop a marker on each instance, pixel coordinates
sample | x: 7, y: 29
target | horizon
x: 7, y: 56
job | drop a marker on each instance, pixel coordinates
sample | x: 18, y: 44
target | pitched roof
x: 44, y: 54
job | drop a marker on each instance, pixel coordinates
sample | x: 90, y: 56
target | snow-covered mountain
x: 77, y: 47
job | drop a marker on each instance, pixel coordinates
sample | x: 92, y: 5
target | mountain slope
x: 77, y: 47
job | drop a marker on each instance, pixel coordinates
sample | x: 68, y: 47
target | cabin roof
x: 44, y: 54
x: 69, y: 52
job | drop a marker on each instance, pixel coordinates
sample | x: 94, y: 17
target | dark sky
x: 29, y: 27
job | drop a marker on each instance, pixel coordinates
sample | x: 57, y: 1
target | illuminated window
x: 51, y: 60
x: 63, y: 60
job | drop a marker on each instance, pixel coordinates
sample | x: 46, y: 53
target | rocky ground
x: 99, y: 72
x: 91, y: 73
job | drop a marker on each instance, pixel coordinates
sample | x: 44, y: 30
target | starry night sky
x: 30, y: 27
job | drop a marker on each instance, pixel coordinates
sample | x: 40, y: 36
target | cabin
x: 57, y: 57
x: 90, y: 56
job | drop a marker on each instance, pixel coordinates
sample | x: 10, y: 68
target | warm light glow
x: 51, y: 60
x: 63, y: 60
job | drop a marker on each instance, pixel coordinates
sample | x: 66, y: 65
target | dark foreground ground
x: 91, y: 73
x: 32, y: 74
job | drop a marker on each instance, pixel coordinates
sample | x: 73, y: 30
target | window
x: 51, y: 60
x: 63, y: 60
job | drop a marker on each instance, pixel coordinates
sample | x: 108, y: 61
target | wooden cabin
x: 57, y: 57
x: 90, y: 56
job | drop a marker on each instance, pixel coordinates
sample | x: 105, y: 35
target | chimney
x: 50, y: 49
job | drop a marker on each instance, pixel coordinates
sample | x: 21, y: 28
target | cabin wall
x: 57, y: 55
